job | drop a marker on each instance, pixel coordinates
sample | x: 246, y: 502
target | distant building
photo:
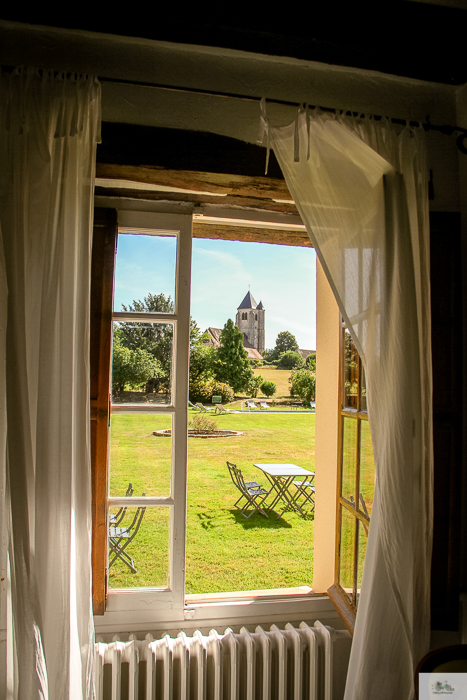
x: 250, y: 321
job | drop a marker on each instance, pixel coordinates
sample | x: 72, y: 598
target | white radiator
x: 290, y: 664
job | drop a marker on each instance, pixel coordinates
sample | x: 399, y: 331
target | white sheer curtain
x: 48, y: 133
x: 361, y: 189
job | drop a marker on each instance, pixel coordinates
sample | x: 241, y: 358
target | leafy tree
x: 285, y: 341
x: 232, y: 365
x: 268, y: 388
x: 270, y: 355
x: 311, y: 362
x: 254, y: 385
x: 154, y: 338
x: 131, y: 367
x: 202, y: 359
x: 303, y: 384
x: 290, y: 360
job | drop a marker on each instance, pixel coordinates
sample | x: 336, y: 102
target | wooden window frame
x: 359, y: 515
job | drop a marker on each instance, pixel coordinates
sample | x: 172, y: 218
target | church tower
x: 250, y: 321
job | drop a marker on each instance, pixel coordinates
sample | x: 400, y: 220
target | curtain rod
x: 445, y: 129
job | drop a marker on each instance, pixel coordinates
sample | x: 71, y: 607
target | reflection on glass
x: 349, y: 458
x: 362, y: 541
x: 346, y: 554
x: 363, y: 405
x: 142, y: 356
x: 367, y: 467
x: 139, y: 457
x: 350, y: 372
x: 143, y: 534
x: 139, y: 275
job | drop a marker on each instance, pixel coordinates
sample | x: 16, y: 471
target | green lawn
x: 225, y: 552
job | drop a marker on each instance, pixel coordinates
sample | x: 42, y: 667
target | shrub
x: 253, y: 386
x: 290, y: 360
x: 202, y: 424
x: 303, y: 384
x: 268, y: 388
x: 204, y: 389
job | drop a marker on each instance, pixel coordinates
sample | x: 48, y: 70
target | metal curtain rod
x: 445, y: 129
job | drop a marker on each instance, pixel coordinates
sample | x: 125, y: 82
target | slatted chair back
x: 120, y: 538
x: 252, y: 492
x: 117, y: 517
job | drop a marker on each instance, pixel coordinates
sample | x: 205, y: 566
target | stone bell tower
x: 250, y: 321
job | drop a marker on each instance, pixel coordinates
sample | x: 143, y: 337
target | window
x: 356, y: 471
x: 163, y: 601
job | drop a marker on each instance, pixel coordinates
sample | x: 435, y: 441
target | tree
x: 290, y: 360
x: 232, y: 365
x: 254, y: 385
x: 268, y: 388
x: 131, y: 367
x: 311, y: 362
x: 285, y: 341
x: 154, y: 338
x: 303, y: 384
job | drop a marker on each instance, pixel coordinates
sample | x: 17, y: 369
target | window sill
x: 140, y: 613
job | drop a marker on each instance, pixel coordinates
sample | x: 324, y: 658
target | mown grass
x: 225, y: 552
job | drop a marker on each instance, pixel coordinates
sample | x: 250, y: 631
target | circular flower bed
x: 201, y: 433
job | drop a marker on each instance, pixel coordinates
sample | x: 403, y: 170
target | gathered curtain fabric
x: 361, y: 188
x: 49, y: 127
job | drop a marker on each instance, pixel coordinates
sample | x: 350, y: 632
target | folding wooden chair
x: 120, y: 538
x: 117, y: 517
x: 251, y: 491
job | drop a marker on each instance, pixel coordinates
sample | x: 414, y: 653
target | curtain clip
x: 264, y: 127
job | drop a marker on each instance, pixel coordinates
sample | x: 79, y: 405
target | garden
x: 224, y: 551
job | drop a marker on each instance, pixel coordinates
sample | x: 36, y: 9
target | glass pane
x: 145, y: 273
x: 362, y: 541
x: 142, y: 362
x: 346, y: 552
x: 139, y: 457
x: 144, y: 539
x: 350, y: 372
x: 363, y: 406
x: 367, y: 468
x: 349, y: 458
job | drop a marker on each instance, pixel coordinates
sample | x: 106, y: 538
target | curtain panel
x: 49, y: 128
x: 362, y: 191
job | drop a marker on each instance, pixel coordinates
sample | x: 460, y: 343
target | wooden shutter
x: 102, y: 275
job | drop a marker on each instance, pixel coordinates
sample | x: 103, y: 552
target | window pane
x: 362, y: 542
x: 346, y: 553
x: 350, y: 372
x: 142, y: 362
x: 363, y: 406
x: 367, y: 467
x: 349, y: 458
x: 139, y: 275
x: 139, y: 457
x: 148, y: 550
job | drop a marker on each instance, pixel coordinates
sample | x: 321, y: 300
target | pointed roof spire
x: 260, y: 306
x: 248, y: 302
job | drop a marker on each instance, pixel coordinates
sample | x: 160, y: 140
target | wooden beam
x: 251, y: 234
x: 214, y: 183
x: 344, y: 607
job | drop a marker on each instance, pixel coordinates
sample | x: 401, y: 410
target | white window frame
x: 172, y: 597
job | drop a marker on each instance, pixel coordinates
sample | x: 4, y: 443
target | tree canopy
x: 232, y: 365
x: 285, y: 341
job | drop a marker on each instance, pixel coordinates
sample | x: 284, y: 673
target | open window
x: 162, y: 594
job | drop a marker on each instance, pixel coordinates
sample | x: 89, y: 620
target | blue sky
x: 282, y: 277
